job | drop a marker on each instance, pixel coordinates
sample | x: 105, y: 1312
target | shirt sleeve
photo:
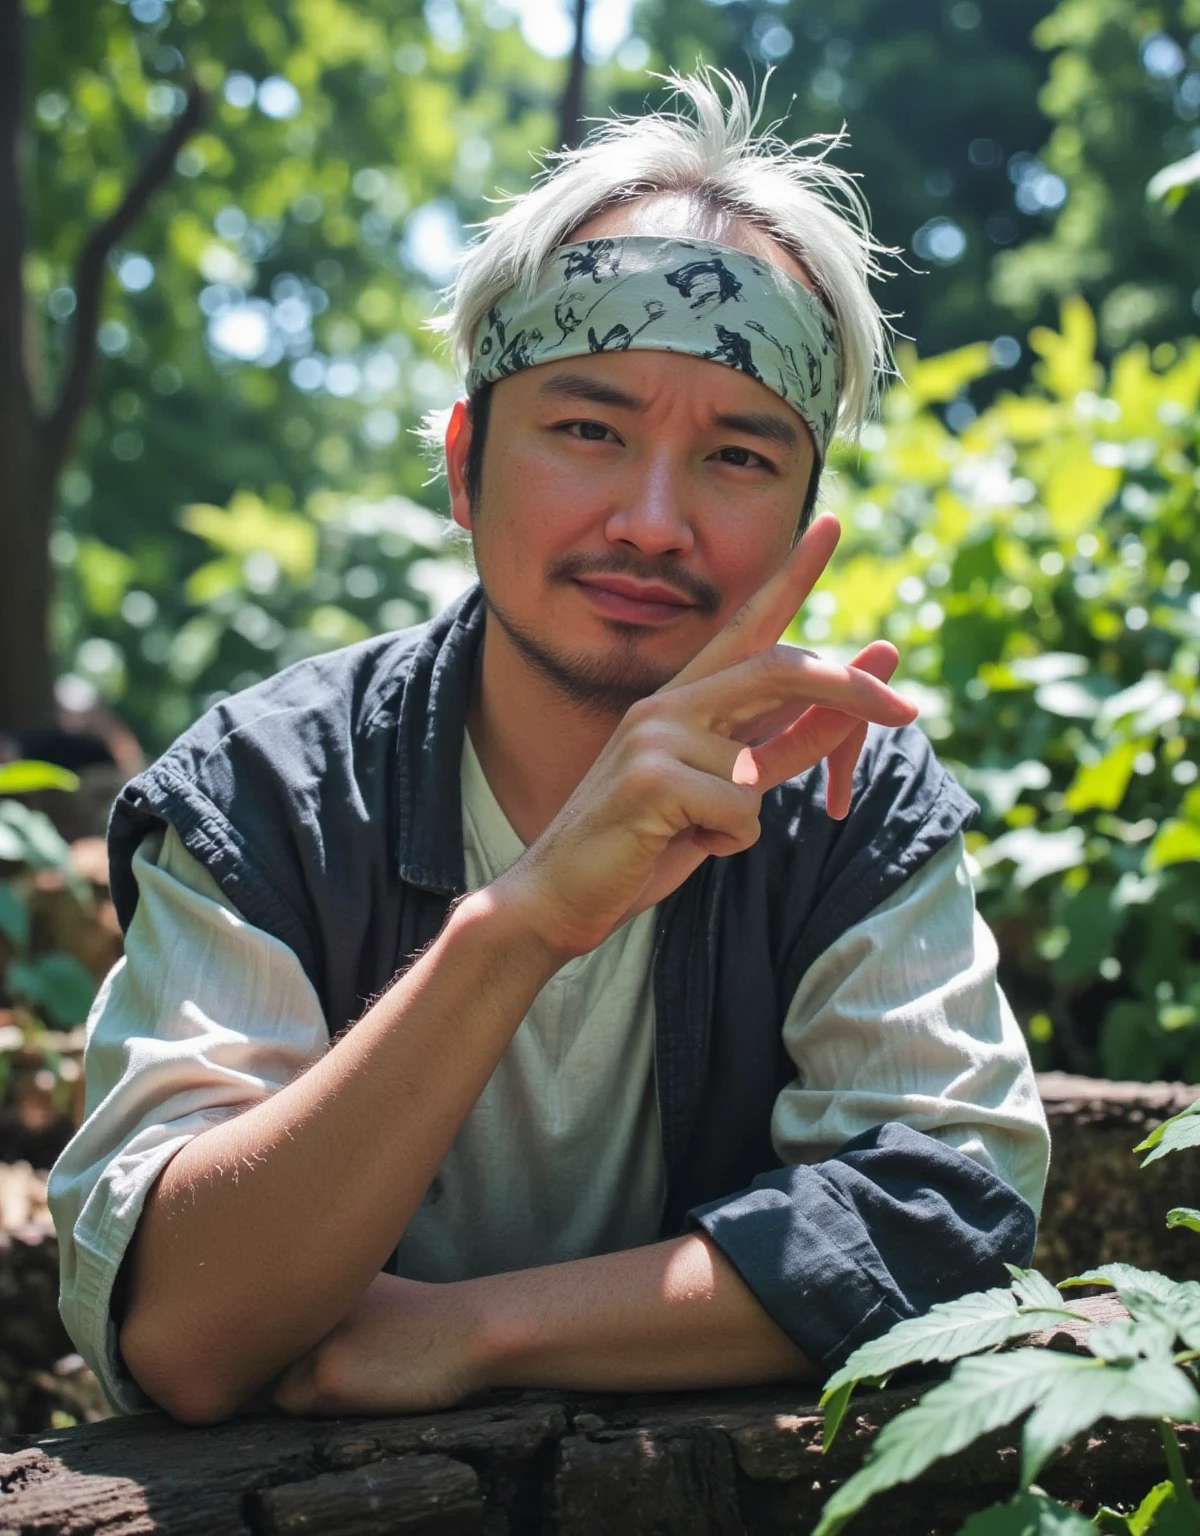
x: 913, y: 1138
x: 202, y: 1017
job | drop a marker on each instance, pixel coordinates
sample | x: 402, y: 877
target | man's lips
x: 637, y: 601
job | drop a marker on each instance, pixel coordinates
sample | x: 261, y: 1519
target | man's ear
x: 458, y: 444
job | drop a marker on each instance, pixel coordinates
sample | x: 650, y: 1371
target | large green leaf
x: 1034, y: 1290
x: 24, y: 777
x: 951, y: 1329
x: 1151, y: 1297
x: 57, y: 984
x: 1141, y: 1520
x: 1028, y: 1514
x: 948, y: 1330
x: 1173, y: 1135
x: 28, y: 837
x: 1184, y: 1216
x: 14, y: 917
x: 983, y: 1393
x: 1130, y: 1390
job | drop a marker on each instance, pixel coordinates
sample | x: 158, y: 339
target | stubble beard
x: 598, y: 685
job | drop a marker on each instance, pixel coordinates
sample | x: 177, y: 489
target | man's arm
x: 668, y: 1317
x: 262, y: 1231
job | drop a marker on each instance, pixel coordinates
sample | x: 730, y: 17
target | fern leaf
x: 983, y: 1393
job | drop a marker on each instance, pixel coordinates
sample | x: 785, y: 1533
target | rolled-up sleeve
x: 913, y: 1138
x: 204, y: 1016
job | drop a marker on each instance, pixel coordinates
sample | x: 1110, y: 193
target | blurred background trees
x: 246, y: 485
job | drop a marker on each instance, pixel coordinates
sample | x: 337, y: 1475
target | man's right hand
x: 677, y: 780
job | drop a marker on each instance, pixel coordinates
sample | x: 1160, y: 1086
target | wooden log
x: 1100, y: 1205
x: 742, y: 1463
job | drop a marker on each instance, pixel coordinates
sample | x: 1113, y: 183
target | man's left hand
x: 404, y: 1347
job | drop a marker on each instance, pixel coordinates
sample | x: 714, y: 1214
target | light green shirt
x: 900, y: 1019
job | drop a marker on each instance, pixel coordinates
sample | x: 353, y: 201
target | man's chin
x: 605, y: 681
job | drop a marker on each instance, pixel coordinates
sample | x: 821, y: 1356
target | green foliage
x: 1181, y: 1130
x: 44, y: 984
x: 1123, y: 96
x: 1036, y: 566
x: 264, y: 351
x: 1131, y: 1371
x: 1028, y: 1514
x: 951, y: 1329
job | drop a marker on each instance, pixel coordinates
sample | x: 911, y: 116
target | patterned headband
x: 642, y: 292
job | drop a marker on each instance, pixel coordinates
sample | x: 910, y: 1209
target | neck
x: 533, y: 743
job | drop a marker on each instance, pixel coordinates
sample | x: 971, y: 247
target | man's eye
x: 743, y: 458
x: 588, y: 431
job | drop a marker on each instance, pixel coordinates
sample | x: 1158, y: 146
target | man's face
x: 630, y: 503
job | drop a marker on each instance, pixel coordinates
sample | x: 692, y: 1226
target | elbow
x: 183, y: 1386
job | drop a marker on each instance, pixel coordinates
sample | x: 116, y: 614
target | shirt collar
x: 430, y: 726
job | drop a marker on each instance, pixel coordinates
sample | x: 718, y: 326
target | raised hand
x: 684, y: 773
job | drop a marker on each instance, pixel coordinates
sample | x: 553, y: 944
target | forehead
x: 686, y: 216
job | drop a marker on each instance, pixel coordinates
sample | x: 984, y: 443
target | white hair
x: 730, y: 176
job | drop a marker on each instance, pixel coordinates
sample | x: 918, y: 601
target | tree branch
x: 16, y: 398
x: 570, y: 112
x: 60, y: 425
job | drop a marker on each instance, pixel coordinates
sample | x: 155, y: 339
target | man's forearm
x: 263, y: 1231
x: 670, y: 1316
x: 665, y: 1317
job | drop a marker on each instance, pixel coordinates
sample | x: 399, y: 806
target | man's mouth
x: 636, y: 602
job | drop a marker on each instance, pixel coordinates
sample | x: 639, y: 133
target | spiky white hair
x: 731, y: 175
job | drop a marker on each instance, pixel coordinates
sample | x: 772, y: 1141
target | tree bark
x: 26, y: 680
x: 691, y: 1464
x: 34, y: 450
x: 570, y: 112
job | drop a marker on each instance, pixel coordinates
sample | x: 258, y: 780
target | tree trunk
x: 570, y: 112
x: 26, y: 491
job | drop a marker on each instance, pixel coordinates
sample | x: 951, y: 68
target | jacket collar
x: 430, y: 726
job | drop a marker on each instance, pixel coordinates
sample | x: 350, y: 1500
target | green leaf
x: 29, y: 837
x: 1173, y: 1135
x: 1143, y: 1519
x: 1028, y: 1514
x: 1172, y: 1518
x: 949, y: 1329
x: 1176, y: 177
x: 56, y: 983
x: 1151, y: 1297
x: 1176, y: 842
x: 1130, y: 1339
x: 14, y: 920
x: 835, y: 1412
x: 1034, y: 1290
x: 24, y: 777
x: 1184, y: 1216
x: 1102, y: 785
x: 1136, y: 1390
x: 983, y: 1393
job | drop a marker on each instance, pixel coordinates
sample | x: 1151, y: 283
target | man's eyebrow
x: 578, y: 386
x: 764, y: 424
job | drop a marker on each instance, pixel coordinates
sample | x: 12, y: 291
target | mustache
x: 702, y: 593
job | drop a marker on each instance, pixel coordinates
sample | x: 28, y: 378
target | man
x: 686, y: 1063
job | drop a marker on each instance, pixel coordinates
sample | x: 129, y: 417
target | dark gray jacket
x: 326, y: 804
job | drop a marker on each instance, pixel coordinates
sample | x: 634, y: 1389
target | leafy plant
x: 1143, y: 1366
x: 39, y: 985
x: 1035, y: 562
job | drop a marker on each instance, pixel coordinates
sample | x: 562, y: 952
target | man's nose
x: 654, y: 515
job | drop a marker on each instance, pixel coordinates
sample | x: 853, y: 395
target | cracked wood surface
x: 701, y: 1464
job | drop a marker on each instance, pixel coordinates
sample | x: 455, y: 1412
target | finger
x: 760, y: 621
x: 785, y: 675
x: 822, y: 731
x: 840, y: 765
